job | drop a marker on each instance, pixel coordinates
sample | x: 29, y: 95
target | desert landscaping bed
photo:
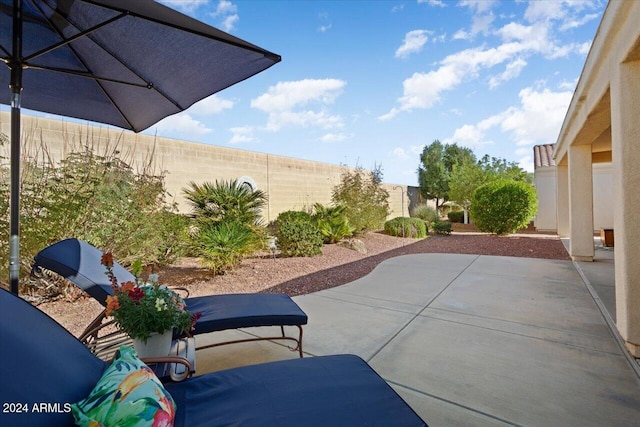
x: 336, y: 266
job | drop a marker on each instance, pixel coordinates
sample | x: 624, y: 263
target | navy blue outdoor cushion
x: 79, y: 262
x: 41, y: 363
x: 316, y: 391
x: 231, y: 311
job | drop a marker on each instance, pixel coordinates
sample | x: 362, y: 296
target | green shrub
x: 406, y: 227
x: 503, y: 206
x: 426, y: 213
x: 222, y: 245
x: 332, y: 222
x: 298, y: 235
x: 456, y: 216
x: 441, y: 227
x: 366, y: 202
x: 93, y: 196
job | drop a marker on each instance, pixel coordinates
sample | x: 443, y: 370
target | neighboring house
x: 545, y: 181
x: 602, y: 126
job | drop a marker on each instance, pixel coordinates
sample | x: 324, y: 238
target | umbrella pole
x: 16, y: 90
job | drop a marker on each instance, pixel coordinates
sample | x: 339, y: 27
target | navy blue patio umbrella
x: 127, y: 63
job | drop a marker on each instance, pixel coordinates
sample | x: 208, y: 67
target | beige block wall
x: 290, y: 183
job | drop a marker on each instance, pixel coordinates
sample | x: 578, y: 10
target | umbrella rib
x: 88, y: 72
x: 87, y: 34
x: 88, y: 75
x: 73, y: 38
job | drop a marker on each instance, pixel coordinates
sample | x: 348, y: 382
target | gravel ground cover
x: 337, y: 265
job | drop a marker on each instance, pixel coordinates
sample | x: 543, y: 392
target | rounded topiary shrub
x: 298, y: 234
x: 411, y: 227
x: 503, y: 206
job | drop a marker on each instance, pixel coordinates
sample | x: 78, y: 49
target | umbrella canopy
x: 120, y: 62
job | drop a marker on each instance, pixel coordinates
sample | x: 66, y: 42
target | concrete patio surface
x: 472, y: 340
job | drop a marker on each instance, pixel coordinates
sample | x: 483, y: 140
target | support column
x: 625, y: 141
x: 562, y: 200
x: 581, y: 246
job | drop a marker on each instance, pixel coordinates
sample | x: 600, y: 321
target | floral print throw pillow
x: 128, y: 395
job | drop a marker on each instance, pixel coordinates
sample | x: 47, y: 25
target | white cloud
x: 479, y: 6
x: 225, y: 7
x: 537, y: 120
x: 575, y: 23
x: 413, y: 43
x: 512, y: 71
x: 291, y: 103
x: 182, y: 124
x: 482, y: 18
x: 568, y: 13
x: 187, y: 6
x: 400, y: 153
x: 229, y: 23
x: 227, y: 12
x: 324, y: 28
x: 397, y: 8
x: 333, y: 137
x: 211, y: 105
x: 416, y: 149
x: 526, y: 162
x: 461, y: 35
x: 438, y: 3
x: 569, y: 85
x: 242, y: 134
x: 424, y: 89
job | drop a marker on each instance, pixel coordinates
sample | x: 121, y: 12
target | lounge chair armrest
x: 172, y: 359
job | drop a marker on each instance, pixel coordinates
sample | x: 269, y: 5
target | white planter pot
x: 156, y: 345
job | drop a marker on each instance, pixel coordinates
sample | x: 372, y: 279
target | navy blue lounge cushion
x: 41, y: 364
x: 333, y: 391
x: 79, y: 262
x: 231, y: 311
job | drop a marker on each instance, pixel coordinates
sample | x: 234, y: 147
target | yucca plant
x: 332, y: 222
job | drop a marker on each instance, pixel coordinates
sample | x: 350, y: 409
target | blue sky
x: 373, y: 82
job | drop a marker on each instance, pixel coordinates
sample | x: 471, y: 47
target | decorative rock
x: 354, y: 244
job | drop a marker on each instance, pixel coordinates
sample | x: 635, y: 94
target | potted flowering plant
x: 145, y: 310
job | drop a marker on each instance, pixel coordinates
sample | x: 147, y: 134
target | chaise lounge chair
x: 79, y: 262
x: 43, y: 369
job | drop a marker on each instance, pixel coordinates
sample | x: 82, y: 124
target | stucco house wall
x: 546, y: 183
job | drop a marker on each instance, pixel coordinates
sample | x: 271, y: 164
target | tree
x: 437, y: 162
x: 465, y: 178
x: 468, y: 176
